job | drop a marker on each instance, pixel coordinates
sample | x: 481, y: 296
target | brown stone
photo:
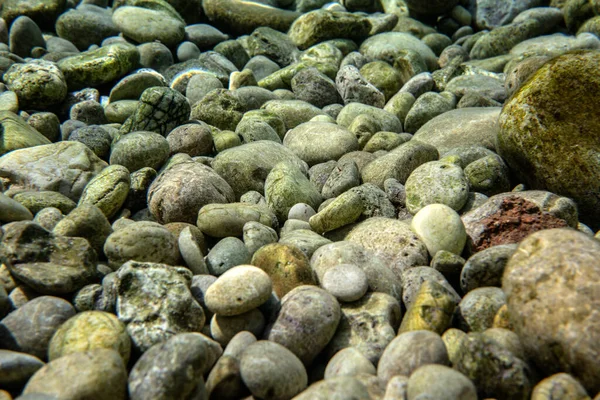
x: 515, y: 219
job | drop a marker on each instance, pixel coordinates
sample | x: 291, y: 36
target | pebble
x: 30, y: 328
x: 90, y: 330
x: 295, y: 138
x: 346, y: 282
x: 270, y: 370
x: 409, y: 351
x: 251, y: 287
x: 440, y: 228
x: 168, y: 299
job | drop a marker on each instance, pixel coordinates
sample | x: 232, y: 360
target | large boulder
x: 549, y: 131
x: 552, y: 286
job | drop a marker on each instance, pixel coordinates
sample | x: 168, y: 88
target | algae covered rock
x: 96, y: 67
x: 549, y: 131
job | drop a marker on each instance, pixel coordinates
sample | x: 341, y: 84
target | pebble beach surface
x: 300, y: 199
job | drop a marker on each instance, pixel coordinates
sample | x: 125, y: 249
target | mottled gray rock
x: 465, y: 126
x: 436, y: 182
x: 246, y: 167
x: 477, y: 309
x: 179, y: 192
x: 543, y: 322
x: 440, y: 382
x: 137, y: 150
x: 398, y: 163
x: 171, y: 370
x: 48, y: 263
x: 318, y: 142
x: 222, y: 220
x: 85, y: 25
x: 392, y: 240
x: 141, y: 241
x: 226, y: 254
x: 147, y: 25
x: 30, y: 328
x: 88, y: 222
x: 426, y: 107
x: 409, y: 351
x: 155, y: 302
x: 256, y: 235
x: 367, y: 325
x: 354, y: 88
x: 494, y: 370
x: 271, y: 371
x: 287, y: 185
x: 486, y: 267
x: 387, y: 46
x: 65, y: 167
x: 307, y: 321
x: 349, y: 362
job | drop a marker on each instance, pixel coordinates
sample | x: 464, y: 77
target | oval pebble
x: 346, y: 282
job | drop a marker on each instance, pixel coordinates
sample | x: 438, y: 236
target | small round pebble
x: 301, y: 211
x: 440, y: 228
x: 346, y: 282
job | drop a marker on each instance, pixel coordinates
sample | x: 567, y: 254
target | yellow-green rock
x: 549, y: 131
x: 17, y: 134
x: 431, y: 310
x: 222, y: 220
x: 108, y: 190
x: 96, y: 67
x: 287, y: 266
x: 90, y: 330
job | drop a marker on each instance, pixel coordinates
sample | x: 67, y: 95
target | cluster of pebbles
x: 277, y: 199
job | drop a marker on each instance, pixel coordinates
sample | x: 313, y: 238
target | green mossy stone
x: 146, y: 25
x: 38, y: 200
x: 243, y: 16
x: 436, y: 182
x: 559, y: 154
x: 96, y: 67
x: 108, y: 190
x: 320, y: 25
x: 287, y: 185
x: 139, y: 150
x: 383, y: 76
x: 38, y: 84
x: 247, y: 166
x: 223, y: 220
x: 17, y: 134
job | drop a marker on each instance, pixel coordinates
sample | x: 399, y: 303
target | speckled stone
x: 306, y: 322
x: 141, y: 241
x: 155, y: 302
x: 409, y: 351
x: 368, y: 325
x: 171, y: 369
x: 271, y: 371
